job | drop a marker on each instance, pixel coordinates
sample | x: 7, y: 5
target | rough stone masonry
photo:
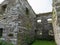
x: 17, y: 22
x: 56, y: 20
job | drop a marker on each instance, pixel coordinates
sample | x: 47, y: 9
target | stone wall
x: 56, y: 20
x: 18, y: 21
x: 44, y: 28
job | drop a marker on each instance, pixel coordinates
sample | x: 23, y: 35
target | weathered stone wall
x: 56, y: 20
x: 18, y: 21
x: 45, y: 28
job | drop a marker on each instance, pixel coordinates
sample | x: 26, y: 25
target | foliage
x: 5, y: 43
x: 27, y: 39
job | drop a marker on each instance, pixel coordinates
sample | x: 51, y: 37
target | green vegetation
x: 44, y: 42
x: 5, y: 43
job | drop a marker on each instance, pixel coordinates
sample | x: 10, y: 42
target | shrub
x: 5, y: 43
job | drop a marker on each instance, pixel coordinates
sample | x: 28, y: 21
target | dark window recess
x: 4, y: 18
x: 27, y: 11
x: 1, y: 31
x: 10, y: 35
x: 4, y: 7
x: 35, y: 31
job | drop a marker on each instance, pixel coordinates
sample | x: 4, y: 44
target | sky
x: 1, y: 1
x: 39, y: 6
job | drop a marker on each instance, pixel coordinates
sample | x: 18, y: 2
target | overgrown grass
x: 44, y: 42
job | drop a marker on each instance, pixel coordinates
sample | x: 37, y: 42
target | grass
x: 44, y: 42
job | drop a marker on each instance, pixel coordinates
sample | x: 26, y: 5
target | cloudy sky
x: 1, y: 1
x: 40, y: 6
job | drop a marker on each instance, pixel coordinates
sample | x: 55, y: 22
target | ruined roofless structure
x: 18, y: 22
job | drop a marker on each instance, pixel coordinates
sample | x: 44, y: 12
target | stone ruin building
x: 18, y: 23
